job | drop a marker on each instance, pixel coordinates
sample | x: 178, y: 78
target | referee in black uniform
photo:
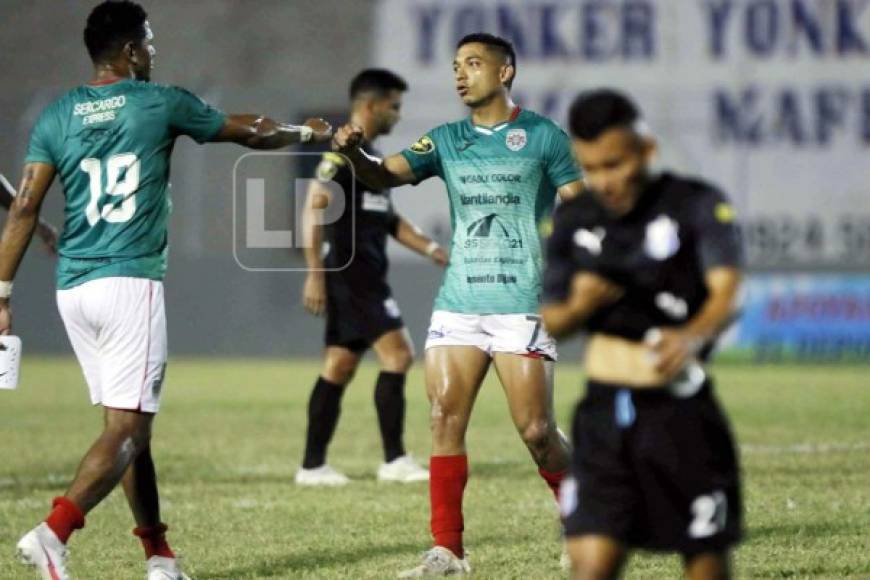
x: 649, y: 266
x: 347, y: 280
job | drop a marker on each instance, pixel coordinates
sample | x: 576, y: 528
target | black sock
x: 390, y: 403
x: 324, y: 407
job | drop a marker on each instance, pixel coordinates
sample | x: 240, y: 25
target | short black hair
x: 596, y: 111
x: 494, y: 42
x: 111, y: 25
x: 379, y: 81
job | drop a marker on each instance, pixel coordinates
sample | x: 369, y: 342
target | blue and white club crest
x: 515, y: 139
x: 662, y: 238
x: 590, y: 240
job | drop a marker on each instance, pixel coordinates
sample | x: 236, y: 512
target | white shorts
x: 117, y: 327
x: 510, y: 333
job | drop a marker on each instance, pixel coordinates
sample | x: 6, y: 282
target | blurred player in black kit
x: 348, y: 283
x: 649, y: 266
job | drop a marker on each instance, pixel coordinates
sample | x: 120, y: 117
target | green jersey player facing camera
x: 503, y: 168
x: 110, y: 142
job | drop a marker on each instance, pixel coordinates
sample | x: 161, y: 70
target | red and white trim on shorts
x: 536, y: 355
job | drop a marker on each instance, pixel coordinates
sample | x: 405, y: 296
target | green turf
x: 230, y: 437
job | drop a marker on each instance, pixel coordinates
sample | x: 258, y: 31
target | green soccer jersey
x: 110, y: 145
x: 501, y: 182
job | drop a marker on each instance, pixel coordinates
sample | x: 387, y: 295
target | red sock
x: 65, y: 517
x: 553, y: 479
x: 448, y: 475
x: 154, y: 541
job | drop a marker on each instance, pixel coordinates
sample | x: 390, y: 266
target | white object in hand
x: 10, y: 361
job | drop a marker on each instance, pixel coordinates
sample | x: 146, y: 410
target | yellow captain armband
x: 724, y: 212
x: 545, y: 227
x: 329, y: 166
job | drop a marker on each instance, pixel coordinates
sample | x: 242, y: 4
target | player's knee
x: 707, y: 566
x: 587, y: 571
x: 134, y: 430
x: 595, y: 558
x: 399, y: 361
x: 340, y: 369
x: 446, y: 421
x: 339, y: 374
x: 536, y: 433
x: 141, y: 439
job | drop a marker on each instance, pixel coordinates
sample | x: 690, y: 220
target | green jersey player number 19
x: 110, y: 142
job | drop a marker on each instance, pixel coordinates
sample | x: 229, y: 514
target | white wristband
x: 5, y: 289
x: 305, y: 133
x: 432, y: 247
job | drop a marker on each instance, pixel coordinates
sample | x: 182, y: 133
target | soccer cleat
x: 160, y: 568
x: 320, y: 476
x: 403, y: 469
x: 41, y: 549
x: 439, y: 561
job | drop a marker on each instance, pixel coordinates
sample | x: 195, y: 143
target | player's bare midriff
x: 616, y: 360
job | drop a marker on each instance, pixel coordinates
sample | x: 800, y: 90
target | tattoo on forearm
x: 27, y: 186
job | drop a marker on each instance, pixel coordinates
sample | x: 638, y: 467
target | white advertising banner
x: 769, y: 99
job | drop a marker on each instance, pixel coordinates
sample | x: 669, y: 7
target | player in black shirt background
x: 649, y: 266
x: 347, y: 281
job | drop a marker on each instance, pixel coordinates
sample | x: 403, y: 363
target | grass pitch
x: 230, y: 437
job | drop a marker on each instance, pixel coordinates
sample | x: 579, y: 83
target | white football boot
x: 160, y: 568
x: 321, y: 476
x: 41, y: 549
x: 439, y: 561
x: 403, y: 469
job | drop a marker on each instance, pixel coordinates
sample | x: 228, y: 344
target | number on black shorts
x: 709, y: 513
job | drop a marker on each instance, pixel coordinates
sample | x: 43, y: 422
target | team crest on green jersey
x: 423, y: 146
x: 516, y: 139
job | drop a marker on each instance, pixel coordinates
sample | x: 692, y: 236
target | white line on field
x: 803, y: 448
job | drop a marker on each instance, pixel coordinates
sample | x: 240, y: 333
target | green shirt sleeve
x: 561, y: 166
x: 190, y: 115
x: 41, y: 147
x: 424, y: 157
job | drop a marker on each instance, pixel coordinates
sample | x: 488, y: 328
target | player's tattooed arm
x: 46, y: 232
x: 20, y: 225
x: 258, y: 132
x: 675, y: 346
x: 413, y: 238
x: 588, y: 293
x: 378, y: 174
